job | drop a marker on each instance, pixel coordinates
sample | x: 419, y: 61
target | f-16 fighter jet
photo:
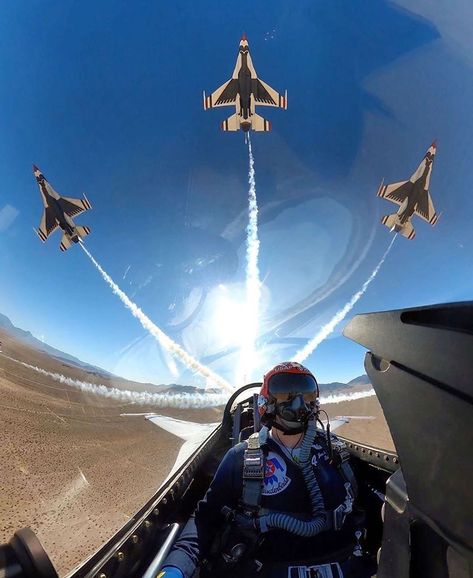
x: 58, y: 212
x: 412, y: 196
x: 244, y: 91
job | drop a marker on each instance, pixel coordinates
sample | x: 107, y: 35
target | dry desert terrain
x: 74, y: 470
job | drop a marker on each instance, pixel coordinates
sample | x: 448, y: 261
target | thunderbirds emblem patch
x: 275, y: 477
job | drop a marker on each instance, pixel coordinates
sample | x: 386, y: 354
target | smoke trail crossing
x: 178, y: 400
x: 158, y: 334
x: 253, y: 284
x: 163, y: 400
x: 340, y: 315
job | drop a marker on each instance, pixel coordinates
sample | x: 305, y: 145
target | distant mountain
x: 28, y: 338
x: 332, y: 385
x: 362, y: 380
x: 175, y: 388
x: 5, y: 323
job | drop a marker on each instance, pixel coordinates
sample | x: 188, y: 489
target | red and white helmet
x: 283, y: 381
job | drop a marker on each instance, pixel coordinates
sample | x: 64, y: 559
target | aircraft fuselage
x: 418, y: 191
x: 245, y: 87
x: 64, y: 221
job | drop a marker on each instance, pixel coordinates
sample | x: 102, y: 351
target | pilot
x: 282, y: 503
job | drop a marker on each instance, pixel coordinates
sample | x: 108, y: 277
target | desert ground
x: 374, y: 432
x: 74, y: 470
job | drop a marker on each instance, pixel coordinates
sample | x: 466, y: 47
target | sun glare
x: 228, y: 319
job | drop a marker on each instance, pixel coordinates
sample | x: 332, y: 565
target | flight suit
x: 272, y: 553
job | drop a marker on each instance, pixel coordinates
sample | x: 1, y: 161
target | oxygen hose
x: 305, y: 528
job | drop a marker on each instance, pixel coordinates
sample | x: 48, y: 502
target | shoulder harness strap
x: 253, y: 474
x: 342, y: 462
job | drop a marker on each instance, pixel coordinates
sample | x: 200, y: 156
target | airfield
x: 75, y: 471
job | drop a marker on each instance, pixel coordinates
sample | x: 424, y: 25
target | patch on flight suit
x: 275, y: 478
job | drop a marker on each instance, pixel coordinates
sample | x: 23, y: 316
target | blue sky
x: 106, y: 98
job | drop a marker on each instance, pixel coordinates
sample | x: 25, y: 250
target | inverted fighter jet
x: 245, y: 91
x: 412, y: 196
x: 58, y: 212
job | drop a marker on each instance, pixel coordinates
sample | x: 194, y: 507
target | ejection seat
x: 244, y: 422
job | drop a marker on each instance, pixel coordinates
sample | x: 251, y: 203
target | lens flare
x: 165, y: 341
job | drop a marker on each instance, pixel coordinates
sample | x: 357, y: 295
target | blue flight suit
x: 284, y: 490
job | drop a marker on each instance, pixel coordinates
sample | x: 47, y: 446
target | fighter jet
x: 412, y: 196
x: 58, y: 212
x: 244, y: 91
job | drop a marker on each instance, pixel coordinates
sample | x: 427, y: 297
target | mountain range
x: 29, y: 339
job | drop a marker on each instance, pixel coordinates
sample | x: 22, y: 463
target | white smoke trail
x: 340, y: 315
x: 253, y: 283
x: 177, y: 400
x: 158, y: 334
x: 339, y: 397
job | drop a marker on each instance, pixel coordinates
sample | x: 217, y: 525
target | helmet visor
x: 283, y: 386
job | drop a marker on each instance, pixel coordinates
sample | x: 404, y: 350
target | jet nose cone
x: 434, y: 144
x: 35, y: 168
x: 243, y: 38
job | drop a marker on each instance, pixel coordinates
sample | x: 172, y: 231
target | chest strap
x: 342, y: 460
x: 253, y: 474
x: 253, y: 478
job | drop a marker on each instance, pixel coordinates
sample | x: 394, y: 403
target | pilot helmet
x: 290, y: 391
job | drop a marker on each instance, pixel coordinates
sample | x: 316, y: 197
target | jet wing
x: 47, y: 226
x: 65, y: 242
x: 336, y: 423
x: 425, y: 209
x: 74, y: 207
x: 193, y: 434
x: 267, y: 96
x: 340, y: 420
x: 396, y: 192
x: 225, y: 95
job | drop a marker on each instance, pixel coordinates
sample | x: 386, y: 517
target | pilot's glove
x: 170, y: 572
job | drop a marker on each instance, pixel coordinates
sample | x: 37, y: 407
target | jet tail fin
x: 65, y: 242
x: 231, y: 124
x: 82, y: 231
x: 392, y: 223
x: 260, y: 124
x: 408, y: 231
x: 389, y: 220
